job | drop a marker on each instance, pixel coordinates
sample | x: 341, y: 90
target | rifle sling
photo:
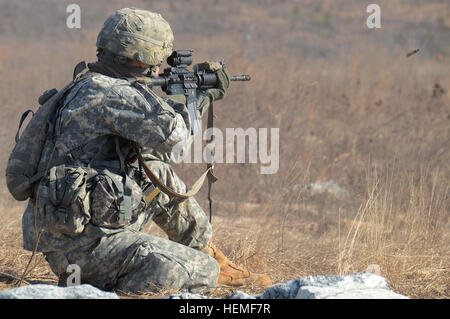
x: 170, y: 192
x: 210, y: 166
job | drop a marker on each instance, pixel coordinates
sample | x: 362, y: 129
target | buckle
x: 70, y: 158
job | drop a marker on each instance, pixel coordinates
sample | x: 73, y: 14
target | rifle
x: 178, y: 80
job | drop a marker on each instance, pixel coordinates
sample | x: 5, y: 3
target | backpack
x: 23, y: 170
x: 64, y: 193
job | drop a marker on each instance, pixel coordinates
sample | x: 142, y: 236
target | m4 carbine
x: 178, y: 80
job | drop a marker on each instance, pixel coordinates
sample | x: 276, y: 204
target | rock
x: 353, y: 286
x: 241, y: 295
x: 42, y: 291
x: 331, y: 187
x: 186, y: 295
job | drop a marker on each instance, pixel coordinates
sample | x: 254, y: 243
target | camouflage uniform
x: 124, y: 258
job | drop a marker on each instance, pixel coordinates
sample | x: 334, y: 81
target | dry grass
x: 351, y: 107
x: 13, y: 259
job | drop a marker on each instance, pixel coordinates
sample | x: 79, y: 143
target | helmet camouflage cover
x: 137, y: 34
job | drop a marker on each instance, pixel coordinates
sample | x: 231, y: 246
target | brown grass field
x: 351, y: 107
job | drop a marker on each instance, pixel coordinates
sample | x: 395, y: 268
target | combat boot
x: 232, y: 275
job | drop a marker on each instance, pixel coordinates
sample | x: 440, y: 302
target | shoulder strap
x: 125, y: 201
x: 68, y: 158
x: 22, y: 119
x: 80, y: 67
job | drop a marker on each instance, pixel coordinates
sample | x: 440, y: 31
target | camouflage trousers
x: 136, y: 262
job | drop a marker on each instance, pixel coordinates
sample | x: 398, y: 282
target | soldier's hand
x: 223, y: 78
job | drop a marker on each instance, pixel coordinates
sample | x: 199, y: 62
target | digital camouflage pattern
x: 64, y: 200
x: 137, y: 34
x: 135, y: 262
x: 104, y: 197
x: 124, y: 258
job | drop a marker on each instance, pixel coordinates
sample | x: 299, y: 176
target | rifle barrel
x: 162, y: 80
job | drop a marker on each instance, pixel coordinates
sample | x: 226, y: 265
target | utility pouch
x: 115, y: 200
x: 63, y: 199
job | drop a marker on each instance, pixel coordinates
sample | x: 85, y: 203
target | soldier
x: 116, y: 115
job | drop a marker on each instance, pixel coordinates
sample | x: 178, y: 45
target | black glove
x: 223, y: 78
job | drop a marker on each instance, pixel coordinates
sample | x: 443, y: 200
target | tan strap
x: 210, y: 166
x: 166, y: 190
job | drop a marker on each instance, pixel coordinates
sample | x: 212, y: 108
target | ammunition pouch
x: 72, y: 196
x: 116, y: 200
x: 63, y: 199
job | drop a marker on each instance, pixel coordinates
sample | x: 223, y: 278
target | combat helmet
x: 137, y: 34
